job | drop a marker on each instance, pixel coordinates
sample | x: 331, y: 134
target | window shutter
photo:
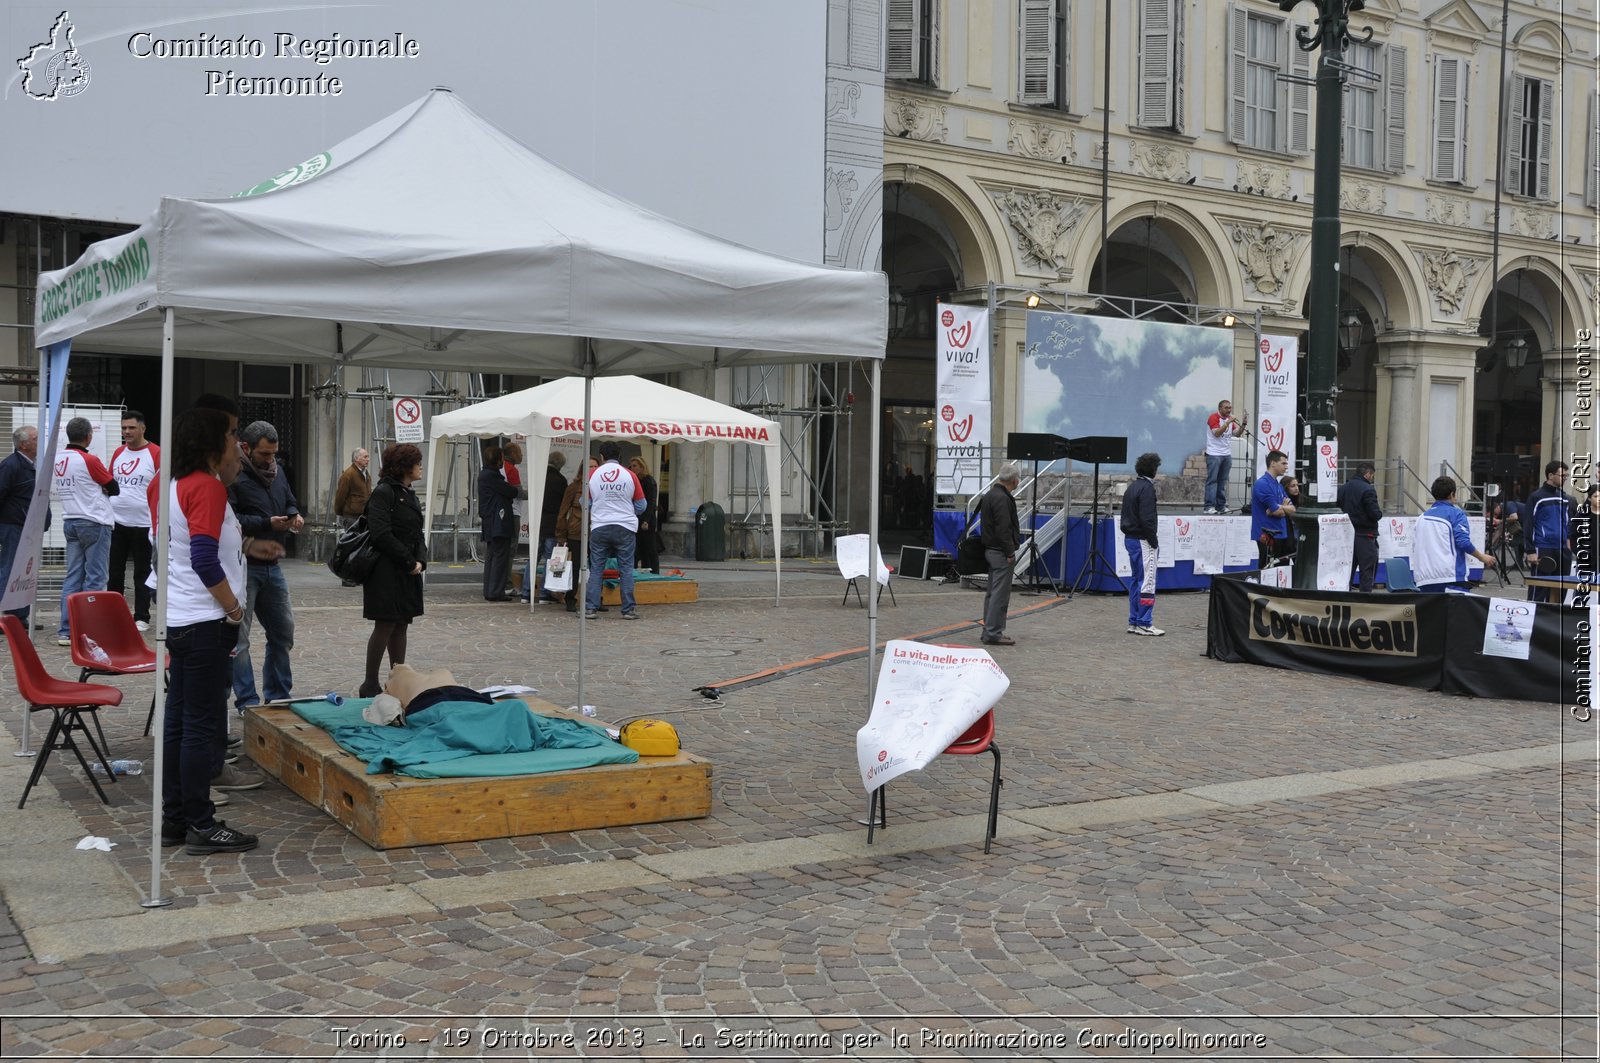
x: 1591, y: 193
x: 864, y: 43
x: 1238, y: 68
x: 1036, y: 49
x: 1064, y: 52
x: 1179, y: 74
x: 1546, y: 101
x: 1394, y: 108
x: 1512, y: 174
x: 1449, y: 120
x: 1155, y: 63
x: 932, y: 10
x: 900, y: 49
x: 1299, y: 95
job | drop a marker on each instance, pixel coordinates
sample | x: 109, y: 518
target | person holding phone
x: 267, y: 509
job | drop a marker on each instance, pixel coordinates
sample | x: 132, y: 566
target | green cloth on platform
x: 463, y: 739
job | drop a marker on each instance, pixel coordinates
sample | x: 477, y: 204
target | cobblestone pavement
x: 1194, y: 859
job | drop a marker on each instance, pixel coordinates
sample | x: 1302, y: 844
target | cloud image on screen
x: 1150, y: 381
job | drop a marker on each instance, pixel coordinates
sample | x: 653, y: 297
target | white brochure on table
x: 1336, y: 543
x: 1241, y: 548
x: 1508, y: 631
x: 1210, y: 545
x: 1394, y: 537
x: 1182, y: 540
x: 926, y: 697
x: 1167, y: 529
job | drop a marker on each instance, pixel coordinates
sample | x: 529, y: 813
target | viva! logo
x: 1275, y: 360
x: 61, y: 467
x: 127, y: 467
x: 1275, y: 440
x: 960, y: 336
x: 610, y: 475
x: 960, y: 430
x: 1183, y: 525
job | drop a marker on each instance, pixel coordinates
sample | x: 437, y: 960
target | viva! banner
x: 961, y: 399
x: 23, y: 586
x: 1275, y: 365
x: 926, y: 697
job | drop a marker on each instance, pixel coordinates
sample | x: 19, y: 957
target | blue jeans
x: 88, y: 558
x: 266, y: 599
x: 611, y: 540
x: 1217, y: 468
x: 10, y: 540
x: 197, y: 705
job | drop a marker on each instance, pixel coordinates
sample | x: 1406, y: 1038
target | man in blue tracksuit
x: 1443, y: 542
x: 1140, y: 536
x: 1546, y: 521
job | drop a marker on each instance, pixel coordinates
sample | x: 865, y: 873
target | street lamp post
x: 1331, y: 34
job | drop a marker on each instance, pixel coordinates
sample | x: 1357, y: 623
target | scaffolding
x: 812, y: 431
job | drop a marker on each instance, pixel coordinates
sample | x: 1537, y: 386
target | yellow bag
x: 651, y: 738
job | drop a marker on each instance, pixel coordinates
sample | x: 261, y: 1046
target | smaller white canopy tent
x: 623, y: 407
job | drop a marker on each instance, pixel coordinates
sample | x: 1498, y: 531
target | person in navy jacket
x: 1547, y: 522
x: 1142, y: 538
x: 17, y: 473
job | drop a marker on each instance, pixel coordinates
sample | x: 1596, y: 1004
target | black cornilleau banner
x: 1557, y: 651
x: 1391, y: 638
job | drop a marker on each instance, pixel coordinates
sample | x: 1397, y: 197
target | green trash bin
x: 710, y: 533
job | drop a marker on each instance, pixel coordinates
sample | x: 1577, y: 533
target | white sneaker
x: 1147, y: 631
x: 141, y: 625
x: 1132, y: 630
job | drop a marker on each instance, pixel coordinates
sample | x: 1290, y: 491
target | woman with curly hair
x: 650, y: 520
x: 391, y: 597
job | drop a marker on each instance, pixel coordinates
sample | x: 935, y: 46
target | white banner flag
x: 961, y: 399
x: 1274, y: 422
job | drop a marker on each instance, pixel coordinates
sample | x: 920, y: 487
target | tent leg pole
x: 582, y: 588
x: 33, y: 612
x: 162, y: 559
x: 872, y: 532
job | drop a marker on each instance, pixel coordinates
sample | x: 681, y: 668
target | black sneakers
x: 173, y: 834
x: 221, y: 838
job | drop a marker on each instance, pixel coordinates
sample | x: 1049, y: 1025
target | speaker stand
x: 1095, y: 561
x: 1031, y: 547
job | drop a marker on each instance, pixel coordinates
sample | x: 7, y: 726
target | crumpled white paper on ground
x: 89, y: 841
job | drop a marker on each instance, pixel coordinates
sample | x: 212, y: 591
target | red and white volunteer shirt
x: 78, y: 476
x: 199, y: 506
x: 136, y: 471
x: 612, y: 493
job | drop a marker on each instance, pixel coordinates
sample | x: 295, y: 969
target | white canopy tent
x: 432, y: 239
x: 624, y: 407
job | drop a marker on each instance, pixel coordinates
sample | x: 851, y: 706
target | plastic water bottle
x: 119, y: 767
x: 96, y: 654
x: 333, y: 699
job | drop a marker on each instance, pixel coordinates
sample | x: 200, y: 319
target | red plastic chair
x: 67, y: 703
x: 979, y: 738
x: 104, y: 617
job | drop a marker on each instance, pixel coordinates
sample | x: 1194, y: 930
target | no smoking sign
x: 407, y: 421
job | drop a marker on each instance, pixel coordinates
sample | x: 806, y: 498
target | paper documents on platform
x: 1336, y: 544
x: 1182, y: 540
x: 507, y: 690
x: 1281, y: 576
x: 1508, y: 631
x: 1210, y: 545
x: 1124, y: 562
x: 1394, y: 537
x: 1478, y: 529
x: 1167, y: 529
x: 926, y: 697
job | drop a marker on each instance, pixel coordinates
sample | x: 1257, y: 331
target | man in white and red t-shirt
x: 1222, y: 428
x: 85, y: 487
x: 616, y: 498
x: 134, y: 466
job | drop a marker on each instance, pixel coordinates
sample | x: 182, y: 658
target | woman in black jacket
x: 391, y: 597
x: 650, y: 520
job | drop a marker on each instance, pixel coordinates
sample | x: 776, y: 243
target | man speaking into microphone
x: 1222, y: 428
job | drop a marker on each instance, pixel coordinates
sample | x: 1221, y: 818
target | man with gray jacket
x: 1002, y: 537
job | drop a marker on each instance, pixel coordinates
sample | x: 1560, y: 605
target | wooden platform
x: 393, y: 811
x: 652, y: 592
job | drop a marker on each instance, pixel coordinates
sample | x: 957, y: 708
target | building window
x: 912, y: 49
x: 1044, y: 47
x: 1269, y: 89
x: 1375, y: 107
x: 1528, y: 138
x: 1591, y: 183
x: 1449, y: 120
x: 1161, y: 72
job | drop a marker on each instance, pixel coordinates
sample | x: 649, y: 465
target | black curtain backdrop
x: 1555, y: 654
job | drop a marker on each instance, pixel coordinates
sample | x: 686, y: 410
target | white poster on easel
x: 925, y: 698
x: 1336, y: 543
